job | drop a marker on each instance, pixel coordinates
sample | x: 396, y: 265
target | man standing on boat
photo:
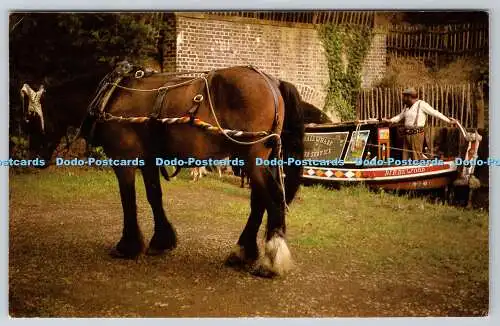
x: 415, y: 116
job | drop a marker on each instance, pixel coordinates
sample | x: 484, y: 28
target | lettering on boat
x: 397, y: 172
x: 327, y: 146
x: 319, y: 139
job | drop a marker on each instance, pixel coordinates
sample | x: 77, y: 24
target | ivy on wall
x: 346, y: 47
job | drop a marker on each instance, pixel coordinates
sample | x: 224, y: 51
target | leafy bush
x: 52, y: 48
x: 346, y: 47
x: 69, y: 43
x: 410, y: 71
x: 97, y: 153
x: 19, y: 149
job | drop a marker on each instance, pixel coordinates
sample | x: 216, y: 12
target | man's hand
x: 386, y: 120
x: 453, y: 121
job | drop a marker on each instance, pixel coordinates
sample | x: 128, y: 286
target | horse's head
x: 35, y: 124
x: 48, y: 115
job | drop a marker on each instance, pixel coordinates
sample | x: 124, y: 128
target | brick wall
x: 170, y: 45
x: 375, y: 62
x: 291, y: 52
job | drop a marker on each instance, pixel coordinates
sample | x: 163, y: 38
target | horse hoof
x: 277, y: 257
x: 128, y: 248
x: 234, y: 261
x: 262, y: 271
x: 162, y: 241
x: 242, y: 258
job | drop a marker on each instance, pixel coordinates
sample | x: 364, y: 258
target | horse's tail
x: 165, y: 175
x: 292, y: 137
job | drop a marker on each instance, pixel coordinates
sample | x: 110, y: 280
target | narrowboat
x: 370, y: 152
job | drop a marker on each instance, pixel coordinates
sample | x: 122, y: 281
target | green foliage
x: 483, y: 69
x: 52, y: 48
x: 19, y: 148
x: 51, y: 45
x: 97, y: 153
x: 346, y: 47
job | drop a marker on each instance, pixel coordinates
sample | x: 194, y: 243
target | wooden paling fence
x: 463, y: 102
x: 365, y: 18
x: 308, y: 17
x: 433, y: 42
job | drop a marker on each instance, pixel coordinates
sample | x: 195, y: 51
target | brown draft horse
x: 243, y: 99
x: 311, y: 113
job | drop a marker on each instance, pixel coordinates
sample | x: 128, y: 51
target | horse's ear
x: 25, y: 89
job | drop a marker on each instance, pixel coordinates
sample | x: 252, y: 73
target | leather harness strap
x: 194, y: 109
x: 97, y: 108
x: 160, y: 98
x: 268, y: 79
x: 158, y: 103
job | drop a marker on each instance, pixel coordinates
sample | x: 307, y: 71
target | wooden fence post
x: 480, y: 106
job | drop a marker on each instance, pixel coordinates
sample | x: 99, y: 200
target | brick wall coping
x: 246, y: 20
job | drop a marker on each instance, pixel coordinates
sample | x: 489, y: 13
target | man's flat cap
x: 410, y: 91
